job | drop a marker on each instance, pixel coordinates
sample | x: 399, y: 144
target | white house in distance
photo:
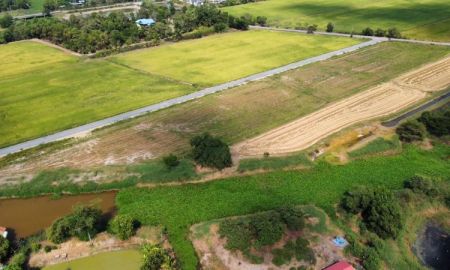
x: 3, y: 232
x: 201, y: 2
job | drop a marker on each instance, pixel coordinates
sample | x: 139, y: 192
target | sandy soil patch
x: 379, y: 101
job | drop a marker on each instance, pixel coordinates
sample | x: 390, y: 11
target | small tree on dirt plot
x: 171, y: 161
x: 210, y: 151
x: 330, y: 27
x: 123, y: 226
x: 411, y: 131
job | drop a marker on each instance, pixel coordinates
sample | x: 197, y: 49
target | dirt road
x: 379, y: 101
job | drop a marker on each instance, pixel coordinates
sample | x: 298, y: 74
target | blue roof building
x: 145, y: 22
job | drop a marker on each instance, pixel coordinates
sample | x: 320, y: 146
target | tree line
x: 6, y: 5
x: 103, y: 32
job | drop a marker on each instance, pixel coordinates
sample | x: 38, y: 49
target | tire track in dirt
x: 381, y: 100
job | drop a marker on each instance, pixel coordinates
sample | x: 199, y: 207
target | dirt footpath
x: 379, y: 101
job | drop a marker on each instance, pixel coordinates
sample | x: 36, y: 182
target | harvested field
x: 382, y: 100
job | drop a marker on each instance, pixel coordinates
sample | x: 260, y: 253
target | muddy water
x: 28, y: 216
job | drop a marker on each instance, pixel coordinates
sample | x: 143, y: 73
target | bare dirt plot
x: 379, y: 101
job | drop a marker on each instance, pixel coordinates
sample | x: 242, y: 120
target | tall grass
x: 376, y: 146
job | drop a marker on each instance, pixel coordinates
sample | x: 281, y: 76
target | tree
x: 171, y: 161
x: 411, y: 131
x: 382, y: 215
x: 4, y: 248
x: 123, y: 226
x: 293, y: 218
x: 156, y: 258
x: 330, y: 27
x: 210, y: 151
x: 17, y: 261
x: 311, y: 29
x: 268, y: 228
x: 393, y: 33
x: 261, y: 20
x: 419, y: 184
x: 49, y: 6
x: 380, y: 32
x: 436, y: 122
x: 6, y: 20
x: 368, y: 32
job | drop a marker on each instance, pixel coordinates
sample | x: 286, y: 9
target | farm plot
x: 43, y: 90
x: 381, y: 100
x: 237, y: 114
x: 419, y: 19
x: 226, y: 57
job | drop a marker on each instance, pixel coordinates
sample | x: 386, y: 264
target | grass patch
x: 203, y: 61
x: 114, y: 260
x: 45, y: 90
x: 179, y: 207
x: 421, y: 19
x: 376, y: 146
x: 156, y: 172
x: 274, y: 163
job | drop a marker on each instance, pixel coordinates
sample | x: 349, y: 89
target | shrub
x: 211, y: 152
x: 311, y: 29
x: 220, y: 27
x: 82, y: 223
x: 47, y: 249
x: 330, y: 27
x: 419, y: 184
x: 368, y: 32
x: 171, y: 161
x: 4, y: 248
x: 268, y: 228
x: 411, y: 131
x: 123, y: 226
x: 261, y: 20
x: 238, y: 233
x: 393, y: 33
x: 437, y: 122
x: 293, y: 218
x: 356, y: 200
x: 6, y: 20
x: 17, y: 261
x: 380, y: 32
x: 156, y: 258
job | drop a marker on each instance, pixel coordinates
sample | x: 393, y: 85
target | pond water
x: 24, y: 217
x: 433, y: 247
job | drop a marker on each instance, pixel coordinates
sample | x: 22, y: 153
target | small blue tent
x: 145, y: 22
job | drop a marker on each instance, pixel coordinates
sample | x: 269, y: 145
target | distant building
x: 3, y: 232
x: 342, y: 265
x: 145, y: 22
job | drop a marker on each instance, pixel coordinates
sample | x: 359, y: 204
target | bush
x: 411, y: 131
x: 82, y: 223
x: 47, y: 249
x: 419, y: 184
x: 357, y: 200
x: 4, y: 248
x: 393, y: 33
x: 268, y: 228
x: 171, y: 161
x: 6, y: 20
x: 211, y: 152
x: 123, y: 226
x: 436, y: 122
x: 261, y: 20
x: 220, y: 27
x: 380, y: 32
x: 368, y: 32
x: 156, y: 258
x: 17, y: 262
x: 330, y: 27
x: 311, y: 29
x: 238, y: 233
x: 293, y: 218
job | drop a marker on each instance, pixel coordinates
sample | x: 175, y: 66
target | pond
x: 433, y: 247
x: 25, y: 217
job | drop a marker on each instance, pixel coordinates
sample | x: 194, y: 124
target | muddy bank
x: 433, y: 247
x: 25, y: 217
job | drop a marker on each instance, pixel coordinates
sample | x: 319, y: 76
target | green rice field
x: 114, y: 260
x: 226, y: 57
x: 44, y: 90
x: 417, y: 19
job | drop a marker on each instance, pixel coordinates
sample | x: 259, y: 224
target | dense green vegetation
x: 275, y: 163
x: 239, y: 53
x: 420, y: 19
x: 4, y: 248
x: 59, y: 91
x: 411, y: 131
x: 156, y: 258
x: 84, y: 223
x: 211, y: 152
x: 437, y: 122
x: 122, y: 226
x: 377, y: 146
x: 179, y: 207
x: 6, y: 5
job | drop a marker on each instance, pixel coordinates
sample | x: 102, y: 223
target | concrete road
x: 73, y: 132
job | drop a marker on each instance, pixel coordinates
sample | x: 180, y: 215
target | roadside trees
x: 411, y: 131
x: 330, y: 27
x: 368, y: 32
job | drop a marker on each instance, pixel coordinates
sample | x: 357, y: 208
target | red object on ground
x: 342, y: 265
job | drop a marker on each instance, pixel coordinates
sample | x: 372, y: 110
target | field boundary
x: 86, y: 128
